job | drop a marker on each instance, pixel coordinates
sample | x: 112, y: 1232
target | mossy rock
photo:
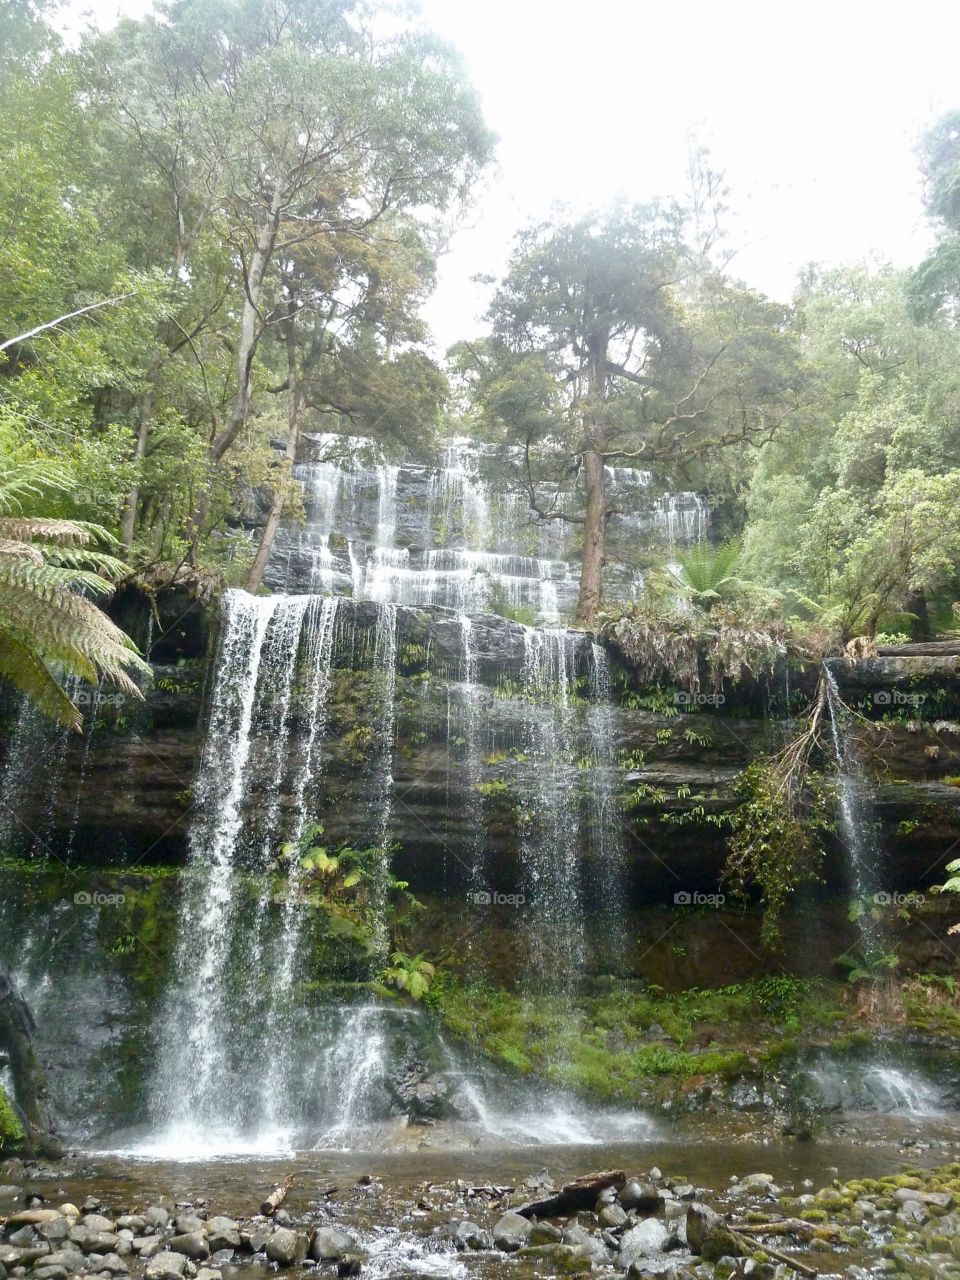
x: 11, y: 1130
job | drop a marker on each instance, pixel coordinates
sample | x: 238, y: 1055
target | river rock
x: 757, y: 1181
x: 645, y: 1240
x: 942, y: 1200
x: 192, y: 1243
x: 329, y: 1244
x: 33, y: 1217
x: 69, y: 1210
x: 612, y: 1215
x: 511, y: 1232
x: 166, y: 1266
x: 146, y: 1246
x: 544, y: 1233
x: 54, y: 1229
x: 254, y: 1238
x: 22, y: 1238
x: 586, y: 1242
x: 50, y: 1273
x: 9, y: 1255
x: 209, y: 1273
x: 97, y: 1222
x: 9, y: 1191
x: 222, y: 1233
x: 187, y: 1223
x: 111, y: 1263
x: 351, y: 1264
x: 701, y: 1219
x: 286, y: 1247
x: 156, y: 1216
x: 642, y: 1196
x: 71, y: 1258
x: 134, y: 1222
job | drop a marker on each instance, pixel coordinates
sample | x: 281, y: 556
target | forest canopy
x: 221, y: 223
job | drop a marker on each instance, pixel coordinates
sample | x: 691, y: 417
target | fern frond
x: 26, y: 672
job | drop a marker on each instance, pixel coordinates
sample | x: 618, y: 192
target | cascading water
x: 326, y: 1069
x: 857, y: 824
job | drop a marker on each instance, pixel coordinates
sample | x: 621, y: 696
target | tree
x: 595, y: 359
x: 348, y: 325
x: 935, y: 285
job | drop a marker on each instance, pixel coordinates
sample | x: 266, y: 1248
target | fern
x: 49, y: 570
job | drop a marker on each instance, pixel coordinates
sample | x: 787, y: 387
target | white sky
x: 812, y: 111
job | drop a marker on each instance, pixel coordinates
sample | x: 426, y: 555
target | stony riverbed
x: 786, y: 1210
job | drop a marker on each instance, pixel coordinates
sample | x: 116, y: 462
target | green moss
x: 11, y: 1130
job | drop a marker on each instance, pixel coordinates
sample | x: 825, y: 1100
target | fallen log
x: 276, y: 1197
x: 782, y: 1227
x: 582, y: 1193
x: 748, y: 1247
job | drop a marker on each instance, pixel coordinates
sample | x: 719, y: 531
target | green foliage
x: 412, y: 974
x: 775, y: 847
x: 49, y: 569
x: 11, y: 1130
x: 868, y: 963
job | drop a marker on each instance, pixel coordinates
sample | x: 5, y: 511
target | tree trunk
x: 129, y: 523
x: 250, y: 330
x: 594, y: 530
x: 29, y: 1081
x: 294, y: 411
x: 249, y: 338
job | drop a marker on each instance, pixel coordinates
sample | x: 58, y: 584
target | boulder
x: 222, y: 1233
x: 545, y: 1233
x: 351, y: 1264
x: 701, y: 1220
x: 97, y: 1222
x: 254, y: 1238
x: 511, y: 1232
x: 111, y: 1263
x: 645, y: 1240
x: 166, y: 1266
x: 191, y: 1243
x: 613, y: 1216
x: 134, y: 1222
x: 287, y: 1248
x: 642, y: 1196
x: 329, y: 1244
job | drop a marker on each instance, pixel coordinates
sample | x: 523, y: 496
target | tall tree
x: 594, y: 359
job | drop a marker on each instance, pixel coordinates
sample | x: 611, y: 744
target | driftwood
x: 782, y: 1227
x: 749, y: 1246
x: 580, y: 1194
x: 276, y: 1197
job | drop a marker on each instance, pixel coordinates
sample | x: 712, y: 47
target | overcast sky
x: 812, y: 111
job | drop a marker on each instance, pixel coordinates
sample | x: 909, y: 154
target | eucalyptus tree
x: 349, y: 334
x: 594, y: 359
x: 265, y: 129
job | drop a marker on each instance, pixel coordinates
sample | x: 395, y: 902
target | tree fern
x: 51, y: 571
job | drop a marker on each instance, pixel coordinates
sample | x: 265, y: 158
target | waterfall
x: 858, y: 826
x: 400, y: 540
x: 234, y: 969
x: 550, y: 863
